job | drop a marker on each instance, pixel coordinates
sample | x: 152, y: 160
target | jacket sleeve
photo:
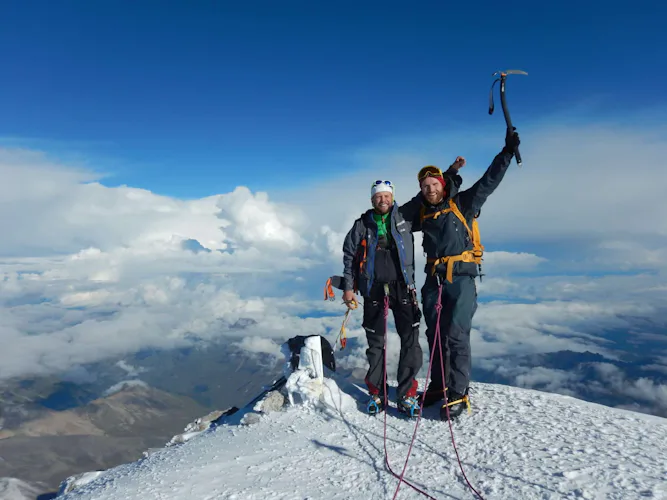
x: 475, y: 196
x: 350, y: 246
x: 453, y: 174
x: 410, y: 212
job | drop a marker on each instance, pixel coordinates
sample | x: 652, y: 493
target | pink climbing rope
x: 436, y: 341
x: 386, y: 454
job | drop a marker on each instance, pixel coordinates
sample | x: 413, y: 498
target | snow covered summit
x: 517, y: 444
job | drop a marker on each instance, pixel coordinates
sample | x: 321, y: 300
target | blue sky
x: 190, y: 100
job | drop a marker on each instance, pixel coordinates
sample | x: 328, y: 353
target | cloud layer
x: 576, y: 245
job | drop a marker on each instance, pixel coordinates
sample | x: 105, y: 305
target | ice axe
x: 503, y: 100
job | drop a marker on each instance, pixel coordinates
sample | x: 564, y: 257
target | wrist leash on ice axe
x: 337, y: 282
x: 503, y: 102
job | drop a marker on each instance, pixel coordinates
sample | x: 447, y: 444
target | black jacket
x: 446, y: 235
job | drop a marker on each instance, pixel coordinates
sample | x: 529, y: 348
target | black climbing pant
x: 406, y: 317
x: 459, y: 303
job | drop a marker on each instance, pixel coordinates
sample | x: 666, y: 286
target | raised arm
x: 453, y: 171
x: 473, y: 198
x: 410, y: 212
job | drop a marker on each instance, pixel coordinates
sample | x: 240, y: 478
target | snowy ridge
x: 15, y: 489
x: 517, y: 443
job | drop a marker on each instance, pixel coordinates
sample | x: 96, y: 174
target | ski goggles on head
x: 379, y: 183
x: 382, y: 187
x: 429, y: 171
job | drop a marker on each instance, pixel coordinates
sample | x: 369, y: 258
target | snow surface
x: 517, y: 443
x: 78, y: 480
x: 15, y: 489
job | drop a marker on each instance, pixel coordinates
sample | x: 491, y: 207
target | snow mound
x: 15, y: 489
x: 78, y: 480
x: 198, y: 426
x: 325, y: 394
x: 517, y: 443
x: 307, y: 385
x: 333, y: 398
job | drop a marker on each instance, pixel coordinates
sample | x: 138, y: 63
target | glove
x: 512, y: 141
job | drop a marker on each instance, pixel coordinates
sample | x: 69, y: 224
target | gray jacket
x: 359, y: 265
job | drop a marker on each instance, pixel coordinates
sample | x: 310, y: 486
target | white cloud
x: 254, y: 222
x: 549, y: 379
x: 126, y: 384
x: 501, y: 262
x: 88, y: 272
x: 583, y: 188
x: 657, y: 368
x: 132, y: 371
x: 610, y: 382
x: 261, y: 345
x: 642, y: 390
x: 502, y: 328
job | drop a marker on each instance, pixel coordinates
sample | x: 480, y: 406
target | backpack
x: 474, y: 255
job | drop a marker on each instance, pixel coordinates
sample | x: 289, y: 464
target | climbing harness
x: 474, y: 255
x: 503, y: 101
x: 437, y: 341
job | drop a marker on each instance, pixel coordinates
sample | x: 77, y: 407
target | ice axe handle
x: 508, y: 119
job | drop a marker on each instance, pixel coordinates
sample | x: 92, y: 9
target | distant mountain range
x: 98, y: 435
x: 109, y: 413
x: 214, y: 375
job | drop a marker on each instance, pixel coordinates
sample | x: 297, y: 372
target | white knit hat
x: 382, y: 187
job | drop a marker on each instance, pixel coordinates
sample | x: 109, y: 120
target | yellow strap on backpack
x: 474, y: 255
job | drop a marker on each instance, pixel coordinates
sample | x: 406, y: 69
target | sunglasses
x: 429, y: 171
x: 388, y: 183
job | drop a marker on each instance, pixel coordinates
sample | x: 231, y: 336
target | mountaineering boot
x: 431, y: 396
x: 409, y: 406
x: 375, y: 405
x: 456, y: 403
